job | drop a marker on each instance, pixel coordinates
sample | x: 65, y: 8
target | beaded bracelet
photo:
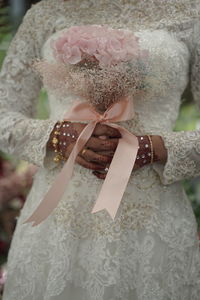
x: 55, y: 143
x: 145, y: 153
x: 63, y: 135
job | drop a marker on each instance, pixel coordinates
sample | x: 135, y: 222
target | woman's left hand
x: 160, y: 155
x: 102, y: 174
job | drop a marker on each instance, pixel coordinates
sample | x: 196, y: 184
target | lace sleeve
x: 183, y: 147
x: 20, y: 133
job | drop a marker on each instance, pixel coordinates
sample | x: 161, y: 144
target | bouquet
x: 107, y: 64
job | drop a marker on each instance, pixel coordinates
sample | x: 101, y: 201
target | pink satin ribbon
x: 120, y: 168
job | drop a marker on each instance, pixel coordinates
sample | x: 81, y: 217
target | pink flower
x: 71, y: 55
x: 109, y: 46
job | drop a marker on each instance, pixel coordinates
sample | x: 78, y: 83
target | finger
x: 98, y: 144
x: 88, y: 165
x: 107, y: 153
x: 102, y: 129
x: 90, y: 155
x: 99, y: 175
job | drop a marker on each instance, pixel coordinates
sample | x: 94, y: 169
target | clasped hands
x: 99, y: 149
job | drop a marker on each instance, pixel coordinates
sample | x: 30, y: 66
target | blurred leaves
x: 189, y: 119
x: 43, y: 106
x: 5, y: 26
x: 5, y: 29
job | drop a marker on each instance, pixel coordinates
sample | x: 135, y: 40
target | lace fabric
x: 151, y: 250
x: 21, y: 134
x: 184, y: 147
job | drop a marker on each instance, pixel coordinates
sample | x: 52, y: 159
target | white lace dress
x: 151, y: 249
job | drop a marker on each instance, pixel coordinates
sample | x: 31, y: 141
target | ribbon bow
x: 120, y: 168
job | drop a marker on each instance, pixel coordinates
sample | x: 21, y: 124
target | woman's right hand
x: 98, y: 152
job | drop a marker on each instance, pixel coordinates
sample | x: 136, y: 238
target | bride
x: 150, y: 250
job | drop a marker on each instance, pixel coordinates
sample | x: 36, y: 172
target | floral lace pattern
x: 184, y: 147
x: 22, y: 135
x: 151, y: 249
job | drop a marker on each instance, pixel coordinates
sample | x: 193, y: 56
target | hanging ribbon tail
x: 118, y: 174
x: 124, y: 158
x: 58, y: 188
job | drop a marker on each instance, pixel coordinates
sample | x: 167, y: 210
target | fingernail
x: 103, y: 137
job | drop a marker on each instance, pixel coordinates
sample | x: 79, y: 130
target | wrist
x: 159, y: 148
x: 61, y: 137
x: 146, y: 151
x: 49, y: 143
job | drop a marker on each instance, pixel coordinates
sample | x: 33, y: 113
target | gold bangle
x: 152, y: 154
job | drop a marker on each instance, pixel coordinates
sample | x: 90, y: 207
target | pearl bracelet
x: 145, y: 153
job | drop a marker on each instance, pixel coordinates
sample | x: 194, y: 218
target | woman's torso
x: 166, y: 37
